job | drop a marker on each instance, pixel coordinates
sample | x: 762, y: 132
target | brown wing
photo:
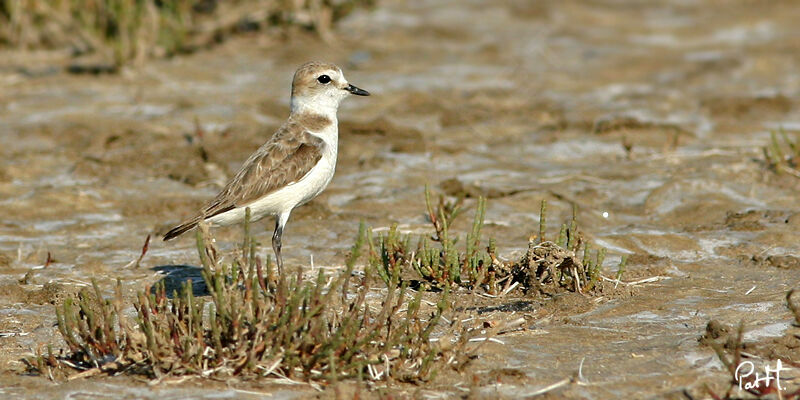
x: 285, y: 159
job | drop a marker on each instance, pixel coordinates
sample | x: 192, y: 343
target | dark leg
x: 276, y: 244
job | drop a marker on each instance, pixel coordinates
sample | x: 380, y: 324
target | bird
x: 295, y: 165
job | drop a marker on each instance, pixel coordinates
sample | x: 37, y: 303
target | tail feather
x: 180, y: 229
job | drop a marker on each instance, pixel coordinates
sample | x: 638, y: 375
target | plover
x: 294, y: 166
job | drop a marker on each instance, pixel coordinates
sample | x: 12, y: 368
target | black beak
x: 356, y: 91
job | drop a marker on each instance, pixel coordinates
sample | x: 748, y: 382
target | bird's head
x: 320, y: 87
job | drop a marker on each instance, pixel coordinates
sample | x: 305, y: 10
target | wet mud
x: 649, y: 117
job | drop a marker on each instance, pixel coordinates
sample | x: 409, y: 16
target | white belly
x: 283, y: 200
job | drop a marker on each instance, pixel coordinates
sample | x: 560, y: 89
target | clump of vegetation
x: 127, y: 30
x: 568, y: 263
x: 435, y: 260
x: 253, y: 323
x: 783, y: 156
x: 550, y: 266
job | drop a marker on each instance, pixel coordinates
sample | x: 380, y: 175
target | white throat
x: 322, y: 105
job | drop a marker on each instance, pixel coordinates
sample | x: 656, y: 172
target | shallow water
x: 523, y: 102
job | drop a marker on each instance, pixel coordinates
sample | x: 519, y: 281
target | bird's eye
x: 323, y: 79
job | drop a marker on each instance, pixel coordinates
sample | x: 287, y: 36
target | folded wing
x: 286, y: 158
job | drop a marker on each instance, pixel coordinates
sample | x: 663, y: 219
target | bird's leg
x: 276, y: 244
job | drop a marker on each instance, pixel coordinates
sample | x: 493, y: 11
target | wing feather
x: 285, y: 159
